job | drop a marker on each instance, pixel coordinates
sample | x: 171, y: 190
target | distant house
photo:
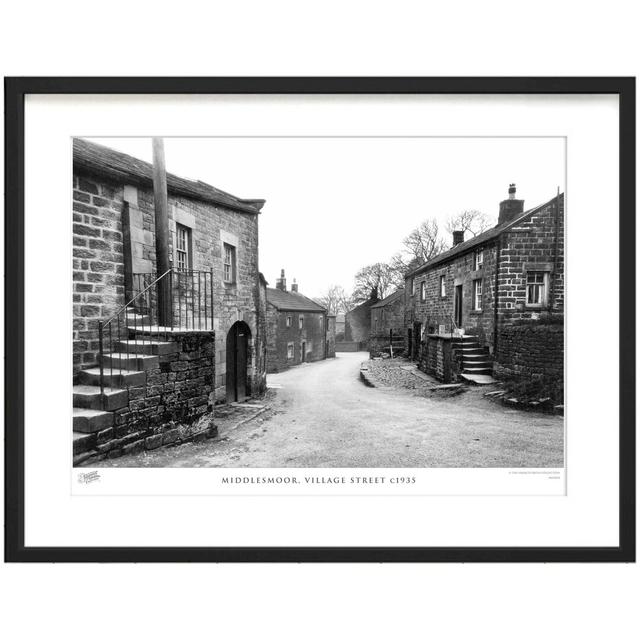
x: 358, y: 322
x: 493, y: 303
x: 387, y: 324
x: 298, y: 329
x: 340, y: 326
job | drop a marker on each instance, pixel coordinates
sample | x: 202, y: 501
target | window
x: 478, y: 258
x: 423, y: 291
x: 300, y: 322
x: 183, y: 247
x: 290, y: 351
x: 229, y: 264
x: 413, y: 287
x: 443, y: 288
x: 537, y: 288
x: 477, y: 295
x: 288, y: 321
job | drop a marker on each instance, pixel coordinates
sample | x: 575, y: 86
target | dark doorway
x: 237, y: 357
x: 417, y: 335
x: 409, y: 343
x: 304, y: 351
x: 457, y: 315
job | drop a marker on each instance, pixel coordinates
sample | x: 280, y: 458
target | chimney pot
x: 458, y: 237
x: 294, y: 286
x: 281, y: 282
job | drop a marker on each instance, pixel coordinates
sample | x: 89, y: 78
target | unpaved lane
x: 324, y: 416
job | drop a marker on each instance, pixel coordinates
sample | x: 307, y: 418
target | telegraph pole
x: 162, y: 229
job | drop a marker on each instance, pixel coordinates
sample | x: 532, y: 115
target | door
x: 304, y: 351
x: 457, y: 315
x: 237, y: 350
x: 409, y: 343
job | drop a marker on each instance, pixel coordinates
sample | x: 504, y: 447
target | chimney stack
x: 511, y: 208
x: 294, y: 286
x: 458, y: 237
x: 281, y: 282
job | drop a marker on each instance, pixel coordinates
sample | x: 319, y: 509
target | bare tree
x: 335, y: 300
x: 379, y: 279
x: 470, y: 221
x: 424, y: 242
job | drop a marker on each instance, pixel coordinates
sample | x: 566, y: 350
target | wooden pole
x: 162, y: 227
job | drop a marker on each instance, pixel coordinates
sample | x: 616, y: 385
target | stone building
x: 358, y: 322
x: 387, y: 324
x: 298, y: 329
x: 462, y: 306
x: 181, y: 344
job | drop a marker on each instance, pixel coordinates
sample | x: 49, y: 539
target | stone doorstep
x: 126, y: 378
x: 150, y: 347
x: 478, y: 378
x: 131, y: 361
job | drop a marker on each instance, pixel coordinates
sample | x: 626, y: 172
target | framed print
x: 320, y: 319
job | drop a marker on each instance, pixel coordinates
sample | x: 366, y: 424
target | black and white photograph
x: 319, y: 302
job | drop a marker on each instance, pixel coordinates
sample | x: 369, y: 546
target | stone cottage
x: 464, y: 306
x: 187, y: 338
x: 298, y: 329
x: 387, y: 324
x: 358, y: 323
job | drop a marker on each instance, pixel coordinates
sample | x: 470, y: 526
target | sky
x: 334, y: 205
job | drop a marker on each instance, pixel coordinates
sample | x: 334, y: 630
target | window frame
x: 544, y: 296
x: 478, y: 259
x: 232, y: 252
x: 291, y: 350
x: 300, y: 321
x: 476, y: 296
x: 186, y: 251
x: 423, y: 291
x: 288, y: 320
x: 443, y: 286
x: 413, y: 286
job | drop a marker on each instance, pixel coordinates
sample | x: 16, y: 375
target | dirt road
x: 322, y: 415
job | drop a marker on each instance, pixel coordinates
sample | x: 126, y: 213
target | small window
x: 229, y: 264
x: 537, y: 288
x: 443, y: 287
x: 300, y: 322
x: 183, y: 247
x: 478, y: 258
x: 288, y: 321
x: 477, y: 295
x: 290, y: 351
x: 413, y: 287
x: 423, y: 291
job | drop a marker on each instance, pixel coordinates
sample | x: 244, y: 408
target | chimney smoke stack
x: 294, y: 286
x: 458, y: 237
x: 281, y: 282
x: 511, y: 208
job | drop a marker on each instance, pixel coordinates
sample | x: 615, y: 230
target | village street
x: 322, y: 415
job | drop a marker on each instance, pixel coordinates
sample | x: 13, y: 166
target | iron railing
x: 175, y: 301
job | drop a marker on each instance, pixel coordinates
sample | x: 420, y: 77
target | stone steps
x: 87, y: 396
x: 130, y: 361
x: 91, y: 420
x: 476, y: 361
x: 149, y: 347
x: 113, y: 379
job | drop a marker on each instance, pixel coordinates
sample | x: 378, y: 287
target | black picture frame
x: 15, y: 91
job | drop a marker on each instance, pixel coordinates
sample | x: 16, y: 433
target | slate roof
x: 103, y: 161
x: 476, y: 241
x: 290, y: 301
x: 389, y: 299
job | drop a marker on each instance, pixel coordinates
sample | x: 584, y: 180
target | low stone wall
x: 175, y: 405
x: 378, y: 344
x: 351, y: 346
x: 436, y: 358
x: 530, y: 352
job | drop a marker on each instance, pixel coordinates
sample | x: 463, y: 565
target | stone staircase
x: 477, y: 364
x: 123, y: 367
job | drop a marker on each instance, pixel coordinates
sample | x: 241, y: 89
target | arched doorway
x: 237, y: 361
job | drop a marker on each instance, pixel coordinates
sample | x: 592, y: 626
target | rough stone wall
x: 313, y: 334
x: 261, y: 357
x: 532, y: 246
x: 98, y: 263
x: 435, y: 358
x: 531, y: 351
x: 177, y: 394
x: 358, y: 322
x: 437, y: 309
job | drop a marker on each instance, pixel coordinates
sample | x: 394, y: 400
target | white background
x: 371, y: 38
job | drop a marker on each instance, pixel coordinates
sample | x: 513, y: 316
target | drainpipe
x: 496, y: 297
x: 552, y: 286
x: 162, y: 228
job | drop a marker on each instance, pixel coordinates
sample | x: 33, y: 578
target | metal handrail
x: 186, y: 298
